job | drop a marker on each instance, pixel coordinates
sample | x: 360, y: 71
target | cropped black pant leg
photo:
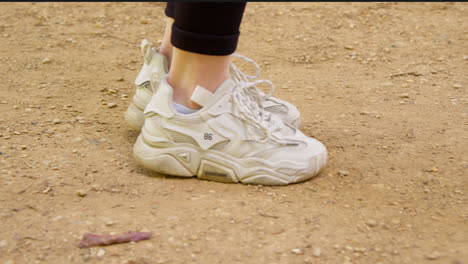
x: 206, y: 28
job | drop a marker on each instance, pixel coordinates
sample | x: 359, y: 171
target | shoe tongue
x: 204, y: 97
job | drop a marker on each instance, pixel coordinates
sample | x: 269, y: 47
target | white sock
x: 183, y: 109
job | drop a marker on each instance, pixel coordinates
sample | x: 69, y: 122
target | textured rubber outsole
x: 184, y: 160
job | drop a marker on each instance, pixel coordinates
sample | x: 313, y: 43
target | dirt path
x: 383, y: 85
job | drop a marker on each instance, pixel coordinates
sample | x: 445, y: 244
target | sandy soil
x: 383, y: 85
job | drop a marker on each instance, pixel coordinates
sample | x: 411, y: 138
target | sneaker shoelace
x: 248, y: 101
x: 239, y: 76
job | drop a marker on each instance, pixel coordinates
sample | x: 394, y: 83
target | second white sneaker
x: 154, y: 67
x: 231, y: 139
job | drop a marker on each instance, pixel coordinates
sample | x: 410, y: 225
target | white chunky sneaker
x: 230, y: 139
x: 155, y: 66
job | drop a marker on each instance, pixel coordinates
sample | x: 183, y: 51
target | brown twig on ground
x: 406, y: 73
x: 91, y: 240
x: 267, y: 215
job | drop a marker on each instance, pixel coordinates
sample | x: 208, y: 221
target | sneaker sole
x: 184, y: 160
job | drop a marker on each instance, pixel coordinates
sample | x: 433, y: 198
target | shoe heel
x: 134, y: 117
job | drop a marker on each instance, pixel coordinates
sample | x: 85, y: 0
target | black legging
x: 206, y: 28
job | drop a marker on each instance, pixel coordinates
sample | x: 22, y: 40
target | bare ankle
x: 191, y: 69
x: 167, y: 52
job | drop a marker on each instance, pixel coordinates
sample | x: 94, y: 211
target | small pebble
x: 349, y: 47
x: 433, y: 256
x: 317, y: 252
x: 343, y: 173
x: 46, y: 61
x: 80, y: 193
x: 120, y: 79
x: 404, y: 95
x: 3, y: 243
x: 297, y: 251
x: 111, y: 105
x: 371, y: 223
x: 457, y: 86
x: 57, y: 218
x: 47, y: 190
x: 101, y: 253
x: 378, y: 185
x: 56, y: 121
x: 360, y: 250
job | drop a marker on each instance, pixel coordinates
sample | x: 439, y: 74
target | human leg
x: 191, y: 69
x: 153, y: 69
x: 204, y: 36
x: 166, y: 45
